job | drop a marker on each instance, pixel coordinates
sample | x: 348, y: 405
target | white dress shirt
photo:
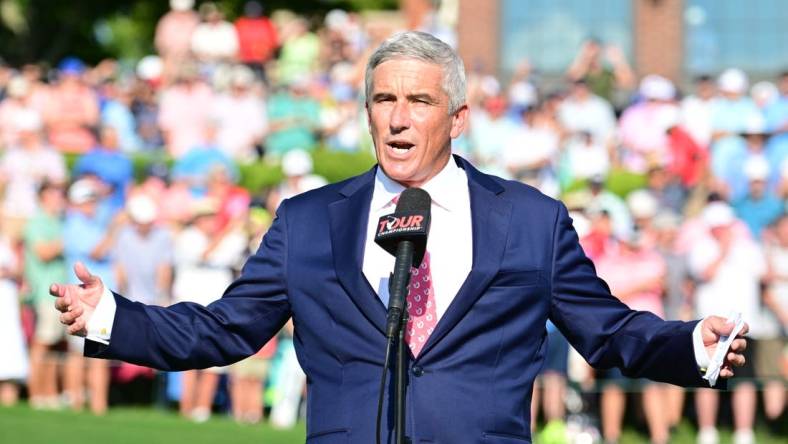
x: 449, y: 245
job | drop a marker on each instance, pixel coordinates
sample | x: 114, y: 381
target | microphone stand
x: 400, y: 382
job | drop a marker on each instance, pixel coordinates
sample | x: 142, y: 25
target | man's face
x: 408, y: 115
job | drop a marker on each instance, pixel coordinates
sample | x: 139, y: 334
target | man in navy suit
x: 503, y: 258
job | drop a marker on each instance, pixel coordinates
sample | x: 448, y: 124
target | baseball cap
x: 142, y: 209
x: 656, y: 87
x: 718, y: 214
x: 82, y: 191
x: 733, y: 80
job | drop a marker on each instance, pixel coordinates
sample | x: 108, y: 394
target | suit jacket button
x: 417, y: 371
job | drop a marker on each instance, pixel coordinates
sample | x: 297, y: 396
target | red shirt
x: 257, y: 39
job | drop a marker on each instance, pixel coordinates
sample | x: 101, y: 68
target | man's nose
x: 400, y: 118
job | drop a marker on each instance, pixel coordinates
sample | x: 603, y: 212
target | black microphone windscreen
x: 413, y: 199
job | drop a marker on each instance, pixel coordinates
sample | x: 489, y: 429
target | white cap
x: 733, y: 80
x: 27, y: 119
x: 142, y: 209
x: 656, y: 87
x: 181, y: 5
x: 296, y: 163
x: 522, y: 94
x: 764, y: 92
x: 756, y: 168
x: 82, y: 191
x: 642, y: 204
x: 718, y: 214
x: 150, y: 67
x: 337, y: 20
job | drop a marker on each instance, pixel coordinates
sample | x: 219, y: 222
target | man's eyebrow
x: 381, y: 95
x: 426, y: 97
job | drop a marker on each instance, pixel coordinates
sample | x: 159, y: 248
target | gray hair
x: 425, y: 47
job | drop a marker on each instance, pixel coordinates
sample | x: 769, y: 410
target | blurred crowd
x: 678, y: 196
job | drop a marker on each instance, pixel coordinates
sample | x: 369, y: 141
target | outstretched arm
x: 188, y: 335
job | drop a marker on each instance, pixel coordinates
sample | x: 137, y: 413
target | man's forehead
x: 426, y: 74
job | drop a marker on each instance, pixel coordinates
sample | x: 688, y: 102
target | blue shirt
x: 119, y: 117
x: 198, y: 162
x: 759, y: 214
x: 81, y: 235
x: 112, y: 167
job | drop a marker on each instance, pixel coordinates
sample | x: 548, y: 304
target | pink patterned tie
x: 421, y: 307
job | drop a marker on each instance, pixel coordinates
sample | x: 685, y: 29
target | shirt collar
x: 445, y: 188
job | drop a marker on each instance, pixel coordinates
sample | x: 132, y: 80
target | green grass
x: 133, y: 426
x: 150, y: 426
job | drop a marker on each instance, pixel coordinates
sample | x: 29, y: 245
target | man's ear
x: 459, y: 121
x: 369, y: 117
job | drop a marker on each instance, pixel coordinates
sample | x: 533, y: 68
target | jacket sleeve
x: 605, y: 331
x: 190, y: 336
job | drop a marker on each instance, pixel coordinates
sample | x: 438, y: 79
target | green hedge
x: 332, y: 165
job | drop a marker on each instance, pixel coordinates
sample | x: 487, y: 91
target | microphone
x: 404, y: 234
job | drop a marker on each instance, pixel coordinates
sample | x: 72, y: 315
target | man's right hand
x: 78, y: 302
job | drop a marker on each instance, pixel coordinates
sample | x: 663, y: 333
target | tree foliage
x: 48, y: 30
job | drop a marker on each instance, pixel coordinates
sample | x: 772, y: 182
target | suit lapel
x: 490, y: 226
x: 348, y: 220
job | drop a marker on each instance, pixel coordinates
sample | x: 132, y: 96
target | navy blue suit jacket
x: 472, y: 381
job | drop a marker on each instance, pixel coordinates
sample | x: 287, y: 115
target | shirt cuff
x: 701, y: 356
x: 99, y: 325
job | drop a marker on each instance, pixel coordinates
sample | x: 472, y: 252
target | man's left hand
x: 715, y: 327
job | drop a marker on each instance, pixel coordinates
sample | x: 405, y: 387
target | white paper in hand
x: 723, y: 345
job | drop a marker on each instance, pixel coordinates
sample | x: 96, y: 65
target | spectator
x: 44, y: 264
x: 551, y: 382
x: 15, y: 102
x: 635, y: 272
x: 117, y: 114
x: 23, y: 168
x: 696, y: 110
x: 112, y: 167
x: 88, y: 239
x: 248, y: 376
x: 240, y: 117
x: 677, y: 290
x: 341, y: 120
x: 729, y: 268
x: 14, y: 365
x: 297, y: 167
x: 583, y: 158
x: 583, y: 111
x: 771, y: 350
x: 184, y: 111
x: 214, y: 41
x: 143, y: 254
x: 196, y: 165
x: 492, y: 134
x: 643, y: 128
x: 174, y: 36
x: 300, y: 51
x: 204, y: 258
x: 257, y: 38
x: 533, y: 160
x: 760, y: 207
x: 294, y: 118
x: 72, y: 109
x: 607, y: 82
x: 729, y: 158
